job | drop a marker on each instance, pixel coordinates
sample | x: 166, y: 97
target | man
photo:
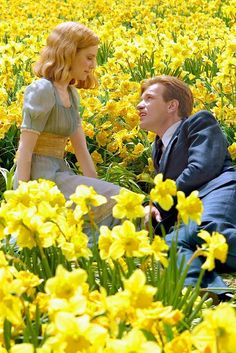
x: 191, y: 150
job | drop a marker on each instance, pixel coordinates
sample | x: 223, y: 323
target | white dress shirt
x: 169, y: 133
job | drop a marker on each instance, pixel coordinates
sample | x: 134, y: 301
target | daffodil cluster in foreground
x: 137, y: 41
x: 60, y: 295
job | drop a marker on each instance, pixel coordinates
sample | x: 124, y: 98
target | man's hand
x: 151, y: 212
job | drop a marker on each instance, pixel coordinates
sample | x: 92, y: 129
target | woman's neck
x: 62, y: 91
x: 61, y: 85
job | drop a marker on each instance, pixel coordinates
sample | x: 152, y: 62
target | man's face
x: 153, y: 110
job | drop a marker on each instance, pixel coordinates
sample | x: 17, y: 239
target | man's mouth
x: 142, y: 114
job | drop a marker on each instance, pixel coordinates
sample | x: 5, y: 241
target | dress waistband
x: 50, y: 145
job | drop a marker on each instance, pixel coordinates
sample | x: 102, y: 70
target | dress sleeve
x: 39, y: 100
x: 76, y: 102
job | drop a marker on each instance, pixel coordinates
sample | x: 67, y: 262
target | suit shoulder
x: 203, y: 117
x: 202, y: 114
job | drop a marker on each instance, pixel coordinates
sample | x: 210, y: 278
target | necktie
x: 158, y: 153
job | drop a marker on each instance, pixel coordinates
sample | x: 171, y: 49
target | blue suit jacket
x: 197, y: 158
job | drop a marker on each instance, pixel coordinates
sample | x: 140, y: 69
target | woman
x: 50, y: 115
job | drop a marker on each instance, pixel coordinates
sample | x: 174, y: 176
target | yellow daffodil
x: 129, y: 205
x: 11, y: 305
x: 45, y: 348
x: 11, y: 309
x: 67, y: 292
x: 97, y: 158
x: 180, y: 344
x: 140, y: 293
x: 105, y: 241
x: 159, y: 248
x: 28, y: 280
x: 3, y: 260
x: 76, y: 334
x: 118, y: 307
x: 217, y: 332
x: 42, y: 300
x: 85, y: 197
x: 134, y: 341
x: 129, y: 242
x: 65, y: 284
x: 214, y: 248
x: 22, y: 348
x: 189, y: 207
x: 163, y: 192
x: 232, y: 150
x: 152, y: 318
x: 2, y: 349
x: 30, y: 213
x: 76, y: 247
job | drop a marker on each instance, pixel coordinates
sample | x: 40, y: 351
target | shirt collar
x: 169, y: 133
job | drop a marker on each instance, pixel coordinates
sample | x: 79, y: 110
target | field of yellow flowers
x: 59, y: 294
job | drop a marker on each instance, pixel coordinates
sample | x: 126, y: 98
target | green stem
x: 150, y: 228
x: 43, y: 258
x: 31, y: 329
x: 131, y: 265
x: 7, y: 333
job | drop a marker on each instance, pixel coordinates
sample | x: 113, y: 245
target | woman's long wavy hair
x: 62, y: 45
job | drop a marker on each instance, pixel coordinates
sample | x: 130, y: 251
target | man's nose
x: 140, y: 105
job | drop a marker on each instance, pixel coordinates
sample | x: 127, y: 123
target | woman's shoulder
x: 40, y: 85
x: 40, y: 93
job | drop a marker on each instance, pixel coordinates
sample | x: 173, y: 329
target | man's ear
x: 173, y: 106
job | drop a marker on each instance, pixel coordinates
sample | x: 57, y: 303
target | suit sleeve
x: 207, y: 148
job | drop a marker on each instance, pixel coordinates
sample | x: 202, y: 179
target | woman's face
x: 83, y: 63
